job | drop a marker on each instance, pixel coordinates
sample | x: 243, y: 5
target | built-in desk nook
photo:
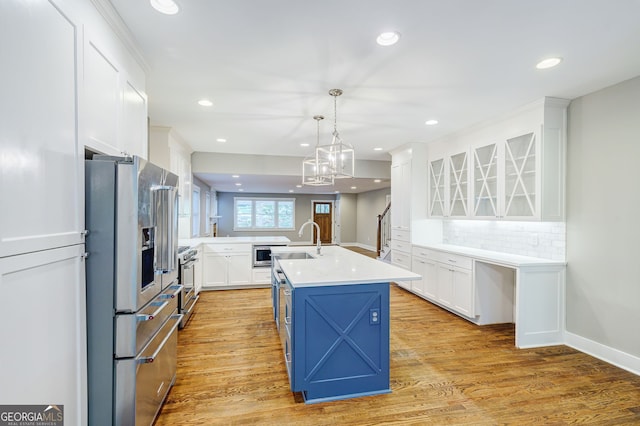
x: 487, y: 287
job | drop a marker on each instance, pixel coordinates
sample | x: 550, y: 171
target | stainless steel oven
x: 187, y: 258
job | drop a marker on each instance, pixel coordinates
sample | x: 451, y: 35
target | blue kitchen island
x: 332, y: 313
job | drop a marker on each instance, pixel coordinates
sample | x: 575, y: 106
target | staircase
x: 383, y: 248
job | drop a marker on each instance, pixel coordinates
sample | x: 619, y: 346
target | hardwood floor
x: 444, y: 370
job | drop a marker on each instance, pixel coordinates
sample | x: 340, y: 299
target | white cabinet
x: 169, y: 151
x: 261, y: 275
x: 458, y: 185
x: 115, y: 107
x: 455, y: 283
x: 41, y: 177
x: 449, y: 185
x: 514, y: 168
x: 447, y: 279
x: 401, y: 195
x: 180, y: 164
x: 226, y: 265
x: 436, y: 187
x: 408, y: 186
x: 426, y: 267
x: 44, y: 354
x: 401, y: 251
x: 408, y: 201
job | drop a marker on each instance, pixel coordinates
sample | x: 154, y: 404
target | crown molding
x: 109, y: 13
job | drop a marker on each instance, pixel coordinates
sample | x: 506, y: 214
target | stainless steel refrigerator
x: 132, y: 289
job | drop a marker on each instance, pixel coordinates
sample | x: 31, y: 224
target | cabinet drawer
x: 228, y: 248
x: 400, y: 259
x: 424, y: 253
x: 401, y: 246
x: 401, y: 235
x: 261, y: 275
x: 455, y: 260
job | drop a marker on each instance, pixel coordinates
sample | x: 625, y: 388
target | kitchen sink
x: 294, y: 255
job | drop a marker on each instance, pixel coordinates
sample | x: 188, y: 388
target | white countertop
x: 266, y: 240
x: 507, y: 259
x: 338, y: 266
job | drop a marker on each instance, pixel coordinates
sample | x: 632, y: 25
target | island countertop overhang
x: 337, y: 266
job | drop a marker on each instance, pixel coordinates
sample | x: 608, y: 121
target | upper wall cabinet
x: 115, y: 106
x: 436, y: 187
x: 408, y: 186
x: 515, y: 167
x: 449, y: 186
x: 169, y: 151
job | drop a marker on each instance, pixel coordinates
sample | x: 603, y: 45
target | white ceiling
x: 267, y: 66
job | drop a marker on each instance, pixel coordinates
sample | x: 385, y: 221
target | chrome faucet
x: 317, y: 233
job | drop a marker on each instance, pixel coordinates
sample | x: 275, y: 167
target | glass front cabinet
x: 515, y: 174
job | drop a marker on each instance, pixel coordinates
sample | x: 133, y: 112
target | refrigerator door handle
x: 166, y: 203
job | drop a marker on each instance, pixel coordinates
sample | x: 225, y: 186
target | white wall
x: 603, y: 209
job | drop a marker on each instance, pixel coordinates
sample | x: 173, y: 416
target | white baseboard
x: 362, y: 246
x: 613, y: 356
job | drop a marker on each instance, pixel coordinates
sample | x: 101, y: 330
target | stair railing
x: 384, y: 229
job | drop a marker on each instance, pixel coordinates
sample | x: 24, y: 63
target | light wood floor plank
x: 444, y: 370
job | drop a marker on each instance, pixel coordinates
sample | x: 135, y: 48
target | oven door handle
x: 150, y: 359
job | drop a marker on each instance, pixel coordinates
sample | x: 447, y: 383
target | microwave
x: 261, y: 256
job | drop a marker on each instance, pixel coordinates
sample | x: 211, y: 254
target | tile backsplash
x: 538, y: 239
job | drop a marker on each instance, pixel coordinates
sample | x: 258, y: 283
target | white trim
x: 108, y: 12
x: 605, y: 353
x: 360, y: 245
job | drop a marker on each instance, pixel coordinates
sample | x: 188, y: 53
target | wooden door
x: 322, y: 215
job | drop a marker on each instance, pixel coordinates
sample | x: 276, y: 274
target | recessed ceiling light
x: 291, y: 190
x: 354, y: 187
x: 238, y: 184
x: 168, y: 7
x: 205, y: 103
x: 377, y: 149
x: 235, y: 176
x: 388, y: 38
x: 337, y: 192
x: 241, y: 190
x: 548, y: 63
x: 221, y: 140
x: 304, y: 144
x: 377, y: 180
x: 298, y: 186
x: 431, y: 122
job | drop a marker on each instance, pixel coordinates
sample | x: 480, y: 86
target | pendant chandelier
x: 328, y: 162
x: 316, y: 171
x: 339, y: 154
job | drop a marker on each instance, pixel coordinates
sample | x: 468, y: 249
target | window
x: 195, y: 214
x: 263, y: 214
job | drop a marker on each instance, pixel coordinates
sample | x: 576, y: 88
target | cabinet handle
x: 287, y: 292
x: 150, y: 359
x: 452, y: 261
x: 143, y: 317
x: 287, y: 357
x: 287, y: 320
